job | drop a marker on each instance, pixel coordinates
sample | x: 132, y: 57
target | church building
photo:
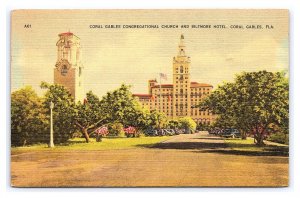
x: 68, y: 69
x: 180, y: 98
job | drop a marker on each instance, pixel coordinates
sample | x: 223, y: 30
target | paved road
x: 184, y: 160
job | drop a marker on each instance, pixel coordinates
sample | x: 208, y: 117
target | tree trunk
x: 86, y: 135
x: 244, y: 135
x: 260, y: 139
x: 99, y: 138
x: 24, y: 142
x: 260, y: 142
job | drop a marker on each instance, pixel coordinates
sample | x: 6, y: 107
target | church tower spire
x: 181, y: 46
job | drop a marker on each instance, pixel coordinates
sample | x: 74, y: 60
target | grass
x: 248, y: 146
x: 78, y: 144
x: 239, y: 144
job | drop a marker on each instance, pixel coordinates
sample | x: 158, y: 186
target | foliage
x: 120, y: 106
x: 130, y: 131
x: 88, y: 115
x: 173, y: 124
x: 279, y: 138
x: 158, y: 119
x: 116, y: 109
x: 101, y: 132
x: 204, y: 127
x: 63, y: 111
x: 187, y: 123
x: 115, y: 129
x: 28, y: 121
x: 254, y: 102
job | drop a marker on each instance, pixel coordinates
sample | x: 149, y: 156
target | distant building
x: 178, y: 99
x: 68, y: 69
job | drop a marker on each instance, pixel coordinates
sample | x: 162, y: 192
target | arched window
x: 181, y: 69
x: 64, y: 70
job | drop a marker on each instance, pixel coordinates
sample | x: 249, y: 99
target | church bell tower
x: 68, y: 69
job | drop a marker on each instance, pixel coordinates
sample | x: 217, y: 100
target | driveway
x: 184, y: 160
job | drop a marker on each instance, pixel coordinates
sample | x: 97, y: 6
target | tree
x: 28, y: 121
x: 158, y: 119
x: 252, y: 103
x: 88, y: 115
x: 63, y: 111
x: 120, y: 106
x: 140, y: 119
x: 116, y: 109
x: 187, y: 123
x: 223, y: 121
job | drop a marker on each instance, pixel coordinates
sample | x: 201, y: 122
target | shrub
x: 130, y: 132
x: 101, y: 132
x: 187, y: 123
x: 115, y: 129
x: 279, y: 137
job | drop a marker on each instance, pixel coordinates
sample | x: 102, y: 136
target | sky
x: 133, y: 56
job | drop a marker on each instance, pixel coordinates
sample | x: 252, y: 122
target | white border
x: 7, y: 6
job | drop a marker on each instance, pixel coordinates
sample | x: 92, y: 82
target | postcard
x: 150, y: 98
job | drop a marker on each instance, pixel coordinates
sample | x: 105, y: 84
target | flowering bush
x: 100, y: 132
x: 130, y: 131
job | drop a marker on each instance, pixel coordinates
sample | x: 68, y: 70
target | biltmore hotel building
x: 180, y: 98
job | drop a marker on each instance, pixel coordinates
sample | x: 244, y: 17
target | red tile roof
x: 66, y: 34
x: 195, y: 84
x: 142, y: 95
x: 164, y: 86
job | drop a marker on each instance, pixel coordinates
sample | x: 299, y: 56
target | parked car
x: 151, y: 132
x: 214, y: 131
x: 230, y: 133
x: 170, y: 131
x: 163, y: 132
x: 160, y: 132
x: 179, y: 131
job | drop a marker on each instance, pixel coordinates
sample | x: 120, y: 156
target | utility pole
x: 51, y: 143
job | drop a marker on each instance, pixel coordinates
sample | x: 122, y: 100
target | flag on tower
x: 163, y: 76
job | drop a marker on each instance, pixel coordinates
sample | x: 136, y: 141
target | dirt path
x: 184, y: 160
x: 198, y: 141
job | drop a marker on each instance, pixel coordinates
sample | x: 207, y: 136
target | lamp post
x: 51, y: 144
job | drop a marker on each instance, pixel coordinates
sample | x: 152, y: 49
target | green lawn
x: 248, y: 146
x: 239, y: 144
x: 106, y: 144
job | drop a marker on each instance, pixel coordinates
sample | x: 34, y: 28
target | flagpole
x: 160, y: 103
